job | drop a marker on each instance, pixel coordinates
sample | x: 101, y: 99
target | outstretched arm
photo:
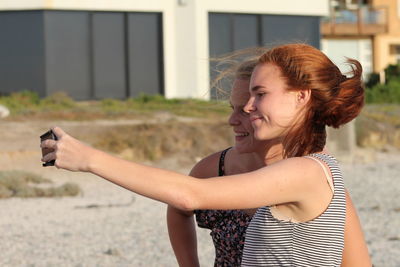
x: 355, y: 249
x: 292, y: 180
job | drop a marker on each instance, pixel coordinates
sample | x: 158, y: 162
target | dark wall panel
x: 108, y: 55
x: 285, y: 29
x: 145, y: 55
x: 245, y: 31
x: 85, y: 54
x: 220, y: 43
x: 219, y: 28
x: 68, y: 53
x: 22, y: 52
x: 230, y: 32
x: 227, y: 33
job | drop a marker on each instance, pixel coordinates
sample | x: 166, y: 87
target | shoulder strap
x: 329, y: 178
x: 221, y: 166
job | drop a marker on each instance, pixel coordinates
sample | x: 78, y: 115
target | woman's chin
x: 260, y: 136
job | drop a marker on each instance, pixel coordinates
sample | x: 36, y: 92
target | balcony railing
x: 362, y: 21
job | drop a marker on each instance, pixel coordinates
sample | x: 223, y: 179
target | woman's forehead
x: 265, y: 70
x: 241, y: 84
x: 240, y: 91
x: 267, y: 75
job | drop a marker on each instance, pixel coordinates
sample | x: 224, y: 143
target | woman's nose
x: 233, y: 119
x: 249, y: 107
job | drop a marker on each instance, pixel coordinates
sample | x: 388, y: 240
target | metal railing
x: 362, y: 21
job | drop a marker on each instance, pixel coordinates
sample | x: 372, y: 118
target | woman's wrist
x: 93, y: 158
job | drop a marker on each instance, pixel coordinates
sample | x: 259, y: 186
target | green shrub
x: 110, y: 105
x: 145, y: 98
x: 373, y: 80
x: 23, y: 101
x: 389, y: 92
x: 392, y: 72
x: 27, y: 102
x: 26, y: 105
x: 157, y: 99
x: 57, y: 101
x: 384, y: 93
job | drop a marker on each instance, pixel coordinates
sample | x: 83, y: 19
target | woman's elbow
x: 186, y: 201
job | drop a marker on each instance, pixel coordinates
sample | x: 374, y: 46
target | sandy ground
x: 109, y: 226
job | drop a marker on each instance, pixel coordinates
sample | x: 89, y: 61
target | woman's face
x: 240, y: 120
x: 272, y: 108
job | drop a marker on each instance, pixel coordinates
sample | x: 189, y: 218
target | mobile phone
x: 48, y: 135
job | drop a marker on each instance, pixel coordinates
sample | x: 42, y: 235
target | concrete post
x: 342, y: 142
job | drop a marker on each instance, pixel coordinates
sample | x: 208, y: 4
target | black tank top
x: 228, y: 228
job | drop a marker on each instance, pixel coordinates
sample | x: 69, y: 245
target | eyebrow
x: 255, y: 88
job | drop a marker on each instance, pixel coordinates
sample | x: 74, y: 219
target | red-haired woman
x: 295, y: 92
x: 228, y: 227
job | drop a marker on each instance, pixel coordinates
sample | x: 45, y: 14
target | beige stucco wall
x: 382, y: 42
x: 382, y: 54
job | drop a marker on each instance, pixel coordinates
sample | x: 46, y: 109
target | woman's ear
x: 303, y: 96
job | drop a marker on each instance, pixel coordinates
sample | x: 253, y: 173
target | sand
x: 110, y: 226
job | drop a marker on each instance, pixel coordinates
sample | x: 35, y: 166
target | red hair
x: 335, y: 99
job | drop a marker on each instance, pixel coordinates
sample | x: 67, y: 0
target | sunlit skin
x: 245, y: 142
x: 239, y: 119
x: 271, y: 106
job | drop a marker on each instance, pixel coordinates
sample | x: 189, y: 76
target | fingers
x: 49, y: 157
x: 58, y: 132
x: 68, y: 153
x: 49, y: 143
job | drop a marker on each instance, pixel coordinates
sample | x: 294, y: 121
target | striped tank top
x: 318, y: 242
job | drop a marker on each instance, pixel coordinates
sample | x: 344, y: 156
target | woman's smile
x: 255, y: 118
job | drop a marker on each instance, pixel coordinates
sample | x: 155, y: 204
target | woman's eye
x: 260, y: 94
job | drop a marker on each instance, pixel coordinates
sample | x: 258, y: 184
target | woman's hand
x: 68, y: 153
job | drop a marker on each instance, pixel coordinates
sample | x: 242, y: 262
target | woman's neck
x: 271, y: 153
x: 236, y: 162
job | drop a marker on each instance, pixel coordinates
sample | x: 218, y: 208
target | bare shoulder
x: 207, y: 167
x: 294, y: 163
x: 311, y: 171
x: 303, y: 168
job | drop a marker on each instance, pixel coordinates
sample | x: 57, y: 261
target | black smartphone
x: 48, y: 135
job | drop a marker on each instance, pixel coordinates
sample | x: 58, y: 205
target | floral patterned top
x: 228, y: 229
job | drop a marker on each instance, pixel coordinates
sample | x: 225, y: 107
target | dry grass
x: 154, y: 141
x: 25, y: 184
x: 378, y: 127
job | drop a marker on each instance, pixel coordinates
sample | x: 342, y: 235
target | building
x: 94, y: 49
x: 367, y: 30
x: 387, y: 44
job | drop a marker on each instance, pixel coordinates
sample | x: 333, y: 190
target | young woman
x: 228, y: 227
x: 295, y: 91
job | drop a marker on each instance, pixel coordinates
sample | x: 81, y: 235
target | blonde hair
x: 236, y: 65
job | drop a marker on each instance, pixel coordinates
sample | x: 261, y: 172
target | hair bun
x: 348, y: 99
